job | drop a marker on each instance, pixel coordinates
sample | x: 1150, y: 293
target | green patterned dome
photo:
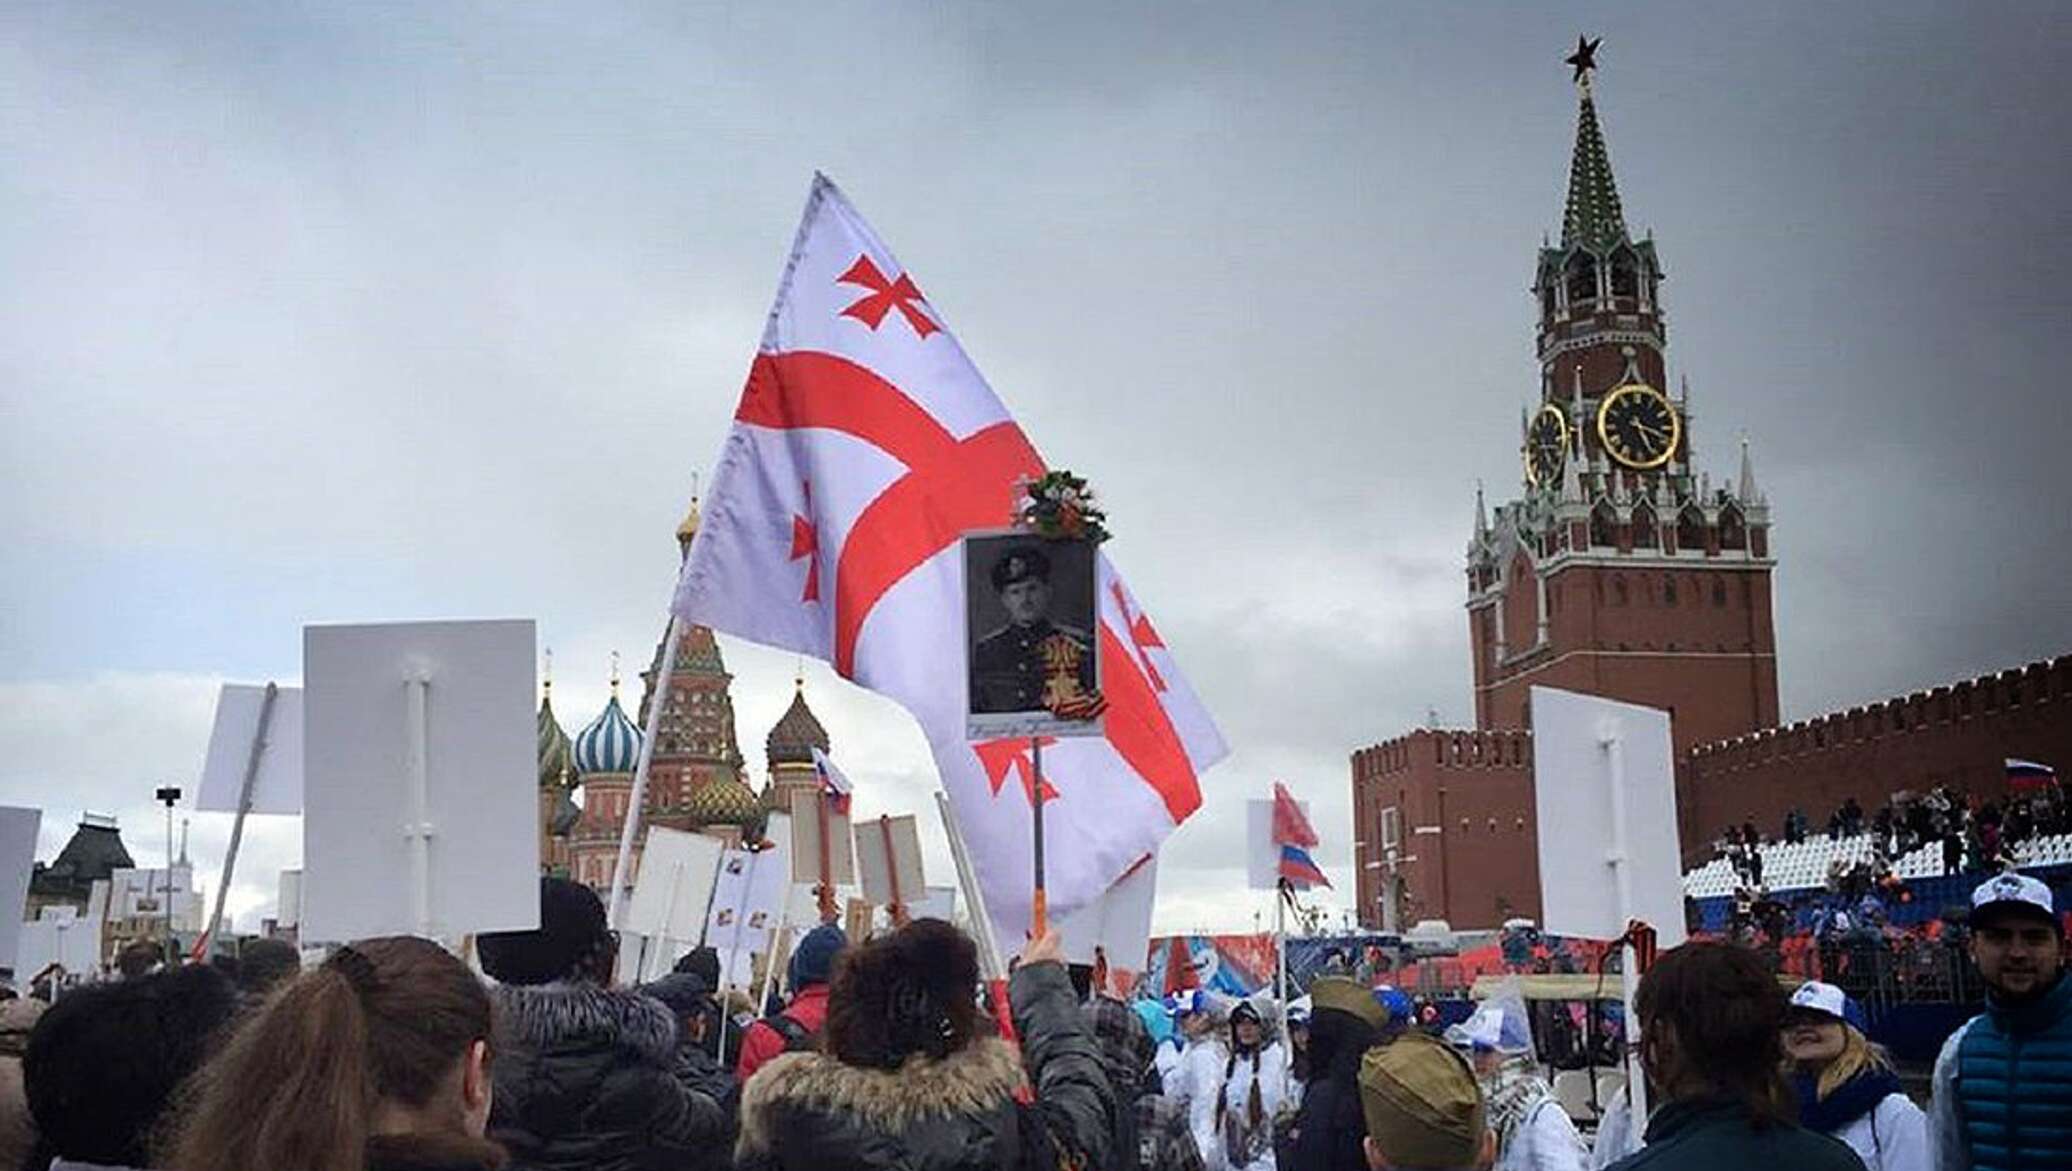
x: 555, y: 767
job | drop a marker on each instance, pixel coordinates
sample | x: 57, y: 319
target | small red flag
x: 1290, y: 827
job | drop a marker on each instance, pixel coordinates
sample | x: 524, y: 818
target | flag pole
x: 1280, y: 966
x: 826, y: 889
x: 1039, y: 907
x: 990, y: 965
x: 244, y: 806
x: 657, y: 695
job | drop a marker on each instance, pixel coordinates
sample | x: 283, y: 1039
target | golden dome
x: 726, y: 801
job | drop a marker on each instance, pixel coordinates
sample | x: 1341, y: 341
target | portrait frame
x: 1000, y: 703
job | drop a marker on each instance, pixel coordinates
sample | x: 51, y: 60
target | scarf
x: 1515, y: 1090
x: 1850, y: 1101
x: 1244, y: 1138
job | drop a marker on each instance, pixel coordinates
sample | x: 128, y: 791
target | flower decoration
x: 1060, y: 506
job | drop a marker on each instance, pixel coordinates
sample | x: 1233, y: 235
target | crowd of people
x: 395, y: 1054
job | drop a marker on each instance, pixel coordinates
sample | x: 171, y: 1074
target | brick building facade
x: 1622, y: 570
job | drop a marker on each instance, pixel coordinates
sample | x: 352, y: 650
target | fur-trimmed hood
x: 549, y: 1016
x: 976, y: 1080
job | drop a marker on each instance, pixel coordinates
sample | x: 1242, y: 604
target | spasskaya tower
x: 1621, y: 569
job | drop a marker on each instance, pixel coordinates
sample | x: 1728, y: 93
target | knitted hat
x: 703, y: 963
x: 813, y: 960
x: 567, y: 942
x: 1422, y: 1105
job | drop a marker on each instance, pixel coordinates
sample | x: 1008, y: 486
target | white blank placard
x: 18, y: 827
x: 1119, y: 922
x: 1572, y: 788
x: 674, y: 886
x: 888, y: 847
x: 805, y: 842
x: 479, y: 758
x: 1262, y: 857
x: 277, y: 787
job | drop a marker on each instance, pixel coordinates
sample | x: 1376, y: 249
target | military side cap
x: 1422, y: 1105
x: 1020, y: 564
x: 1348, y: 996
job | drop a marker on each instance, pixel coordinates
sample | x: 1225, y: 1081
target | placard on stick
x: 805, y: 843
x: 1582, y: 747
x: 18, y: 827
x: 674, y: 886
x: 412, y: 735
x: 277, y: 787
x: 747, y: 901
x: 1118, y: 923
x: 888, y: 860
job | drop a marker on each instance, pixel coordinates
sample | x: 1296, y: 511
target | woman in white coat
x: 1846, y: 1085
x: 1533, y: 1132
x: 1255, y: 1085
x: 1195, y: 1080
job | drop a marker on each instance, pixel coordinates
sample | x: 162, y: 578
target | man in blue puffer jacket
x: 2003, y: 1083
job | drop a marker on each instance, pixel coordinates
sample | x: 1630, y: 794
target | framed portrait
x: 1029, y: 634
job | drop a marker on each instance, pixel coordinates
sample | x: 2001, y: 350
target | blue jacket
x: 2003, y: 1088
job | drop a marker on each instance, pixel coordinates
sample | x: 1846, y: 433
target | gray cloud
x: 343, y: 312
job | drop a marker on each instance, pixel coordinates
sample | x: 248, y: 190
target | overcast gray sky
x: 392, y: 311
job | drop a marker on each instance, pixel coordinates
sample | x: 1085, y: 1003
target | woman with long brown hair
x: 378, y: 1060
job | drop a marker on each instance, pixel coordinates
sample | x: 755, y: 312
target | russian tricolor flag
x: 833, y: 785
x: 2028, y: 776
x: 1299, y: 870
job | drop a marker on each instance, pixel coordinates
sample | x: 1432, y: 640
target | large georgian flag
x: 866, y: 444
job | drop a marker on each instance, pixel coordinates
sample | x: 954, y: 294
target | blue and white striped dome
x: 611, y: 744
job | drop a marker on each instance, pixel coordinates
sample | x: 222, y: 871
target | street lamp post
x: 169, y: 795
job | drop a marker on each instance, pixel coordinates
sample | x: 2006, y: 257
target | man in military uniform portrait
x: 1010, y: 670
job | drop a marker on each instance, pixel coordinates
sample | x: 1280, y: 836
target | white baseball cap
x: 2014, y: 891
x: 1814, y: 996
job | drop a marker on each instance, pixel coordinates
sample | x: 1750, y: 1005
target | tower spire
x: 1481, y: 513
x: 1592, y: 217
x: 1746, y: 488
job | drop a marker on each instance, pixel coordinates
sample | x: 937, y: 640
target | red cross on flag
x: 860, y: 390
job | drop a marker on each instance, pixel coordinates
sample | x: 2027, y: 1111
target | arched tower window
x: 1646, y: 530
x: 1625, y: 274
x: 1618, y: 591
x: 1733, y: 532
x: 1719, y: 593
x: 1603, y: 525
x: 1690, y: 529
x: 1668, y: 590
x: 1582, y: 278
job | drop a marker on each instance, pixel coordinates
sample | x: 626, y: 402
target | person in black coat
x: 908, y: 1079
x: 1345, y: 1021
x: 585, y: 1074
x: 698, y: 1018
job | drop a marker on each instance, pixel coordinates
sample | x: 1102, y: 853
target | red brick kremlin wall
x: 1469, y: 848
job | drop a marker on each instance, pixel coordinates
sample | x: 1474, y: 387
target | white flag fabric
x: 865, y: 445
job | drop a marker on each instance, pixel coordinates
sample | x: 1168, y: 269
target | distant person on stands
x: 1422, y: 1108
x: 377, y: 1060
x: 103, y: 1064
x: 585, y: 1073
x: 2003, y: 1082
x: 797, y: 1028
x: 1846, y: 1086
x: 1711, y: 1026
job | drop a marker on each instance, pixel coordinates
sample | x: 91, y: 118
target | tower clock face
x: 1638, y: 426
x: 1546, y: 446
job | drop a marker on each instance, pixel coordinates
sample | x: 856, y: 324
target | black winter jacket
x: 809, y: 1111
x: 585, y: 1081
x: 1329, y: 1129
